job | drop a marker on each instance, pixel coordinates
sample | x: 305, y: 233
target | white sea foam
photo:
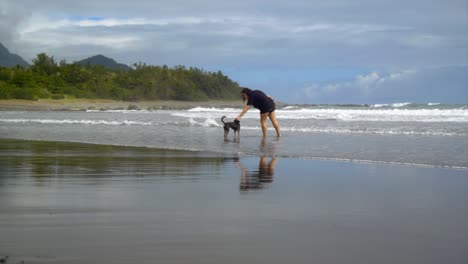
x: 372, y: 115
x: 290, y: 107
x: 379, y: 105
x: 400, y: 104
x: 396, y: 105
x: 82, y: 122
x: 363, y: 131
x: 212, y: 109
x: 209, y: 122
x: 123, y: 111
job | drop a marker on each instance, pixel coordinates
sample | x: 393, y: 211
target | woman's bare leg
x: 275, y: 123
x: 263, y: 122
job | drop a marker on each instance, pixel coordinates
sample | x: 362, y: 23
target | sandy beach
x: 84, y: 203
x: 104, y: 104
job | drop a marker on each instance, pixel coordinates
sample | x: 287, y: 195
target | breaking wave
x: 371, y: 114
x: 364, y: 131
x: 82, y: 122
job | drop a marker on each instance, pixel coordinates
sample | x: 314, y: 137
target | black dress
x: 261, y: 101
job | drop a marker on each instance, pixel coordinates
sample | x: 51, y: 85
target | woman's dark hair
x: 247, y: 91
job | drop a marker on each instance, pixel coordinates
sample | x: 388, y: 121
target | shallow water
x: 79, y: 203
x: 428, y: 137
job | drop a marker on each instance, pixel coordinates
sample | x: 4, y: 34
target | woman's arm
x: 246, y: 108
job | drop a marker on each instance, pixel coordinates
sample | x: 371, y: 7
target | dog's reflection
x: 233, y: 140
x: 258, y: 179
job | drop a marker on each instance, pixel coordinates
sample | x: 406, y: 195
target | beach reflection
x: 45, y: 160
x: 268, y: 148
x: 259, y: 178
x: 235, y: 139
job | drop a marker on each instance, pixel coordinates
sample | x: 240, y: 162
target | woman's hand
x: 246, y: 108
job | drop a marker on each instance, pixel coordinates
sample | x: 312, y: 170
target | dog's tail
x: 222, y: 119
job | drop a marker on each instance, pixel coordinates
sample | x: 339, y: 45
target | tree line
x: 46, y: 78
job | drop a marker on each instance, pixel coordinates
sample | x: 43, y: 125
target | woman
x: 265, y: 104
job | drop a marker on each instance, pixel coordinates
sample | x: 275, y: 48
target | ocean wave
x: 209, y: 122
x: 363, y: 131
x: 212, y: 109
x: 291, y: 107
x: 378, y: 115
x: 370, y: 114
x: 123, y: 111
x: 82, y: 122
x: 396, y: 105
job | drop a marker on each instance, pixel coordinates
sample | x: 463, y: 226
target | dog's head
x: 236, y: 121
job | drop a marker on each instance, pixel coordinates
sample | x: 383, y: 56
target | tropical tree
x: 44, y: 64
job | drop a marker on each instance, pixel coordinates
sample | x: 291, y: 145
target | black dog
x: 233, y: 125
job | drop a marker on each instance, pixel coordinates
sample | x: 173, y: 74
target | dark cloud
x: 11, y: 18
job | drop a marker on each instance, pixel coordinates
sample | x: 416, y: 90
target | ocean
x: 429, y: 134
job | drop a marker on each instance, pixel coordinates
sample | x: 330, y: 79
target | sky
x: 309, y: 51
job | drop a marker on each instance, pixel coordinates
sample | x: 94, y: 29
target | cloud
x: 415, y: 85
x: 267, y: 38
x: 329, y: 34
x: 368, y: 82
x: 364, y: 85
x: 263, y: 37
x: 11, y: 20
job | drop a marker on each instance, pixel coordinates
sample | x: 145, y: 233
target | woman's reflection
x: 258, y: 179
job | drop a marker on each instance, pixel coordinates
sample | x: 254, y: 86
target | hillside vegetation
x: 46, y: 78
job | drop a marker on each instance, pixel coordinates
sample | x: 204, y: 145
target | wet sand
x: 81, y: 203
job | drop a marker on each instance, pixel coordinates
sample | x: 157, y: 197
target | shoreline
x: 152, y: 151
x: 215, y: 154
x: 108, y: 104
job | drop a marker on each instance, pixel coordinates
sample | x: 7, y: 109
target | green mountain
x: 49, y: 79
x: 104, y: 61
x: 8, y: 59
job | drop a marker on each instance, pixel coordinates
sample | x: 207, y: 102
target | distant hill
x: 104, y: 61
x: 8, y: 59
x: 95, y: 78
